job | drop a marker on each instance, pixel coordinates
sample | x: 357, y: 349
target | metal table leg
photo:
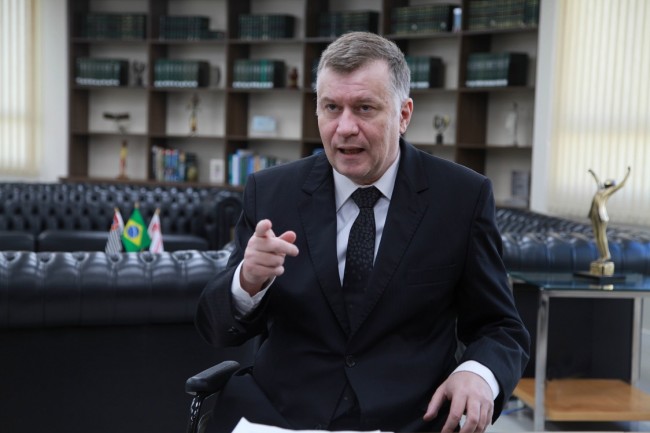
x: 635, y: 370
x: 540, y: 361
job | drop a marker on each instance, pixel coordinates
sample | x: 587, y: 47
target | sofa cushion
x: 17, y: 241
x: 94, y: 288
x: 88, y: 240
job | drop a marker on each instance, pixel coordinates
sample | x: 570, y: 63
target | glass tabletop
x: 627, y: 282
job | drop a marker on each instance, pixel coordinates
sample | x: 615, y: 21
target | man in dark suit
x: 385, y: 356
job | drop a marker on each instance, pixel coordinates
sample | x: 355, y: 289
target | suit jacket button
x: 349, y: 361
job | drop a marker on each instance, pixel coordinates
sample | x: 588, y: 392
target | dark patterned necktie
x: 361, y: 249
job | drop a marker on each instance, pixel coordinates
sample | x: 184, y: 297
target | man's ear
x: 406, y: 111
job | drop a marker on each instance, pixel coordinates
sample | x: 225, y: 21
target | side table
x: 583, y: 399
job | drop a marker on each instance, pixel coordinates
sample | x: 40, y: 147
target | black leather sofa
x: 78, y: 216
x: 97, y: 343
x: 536, y: 242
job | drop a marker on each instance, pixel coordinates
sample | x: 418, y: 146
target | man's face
x: 359, y: 121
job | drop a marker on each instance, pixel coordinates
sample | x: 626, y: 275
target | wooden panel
x: 588, y: 400
x: 157, y: 113
x: 237, y: 114
x: 471, y: 158
x: 313, y: 10
x: 471, y: 115
x: 78, y: 155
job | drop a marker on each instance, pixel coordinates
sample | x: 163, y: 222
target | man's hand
x: 470, y: 395
x: 264, y: 256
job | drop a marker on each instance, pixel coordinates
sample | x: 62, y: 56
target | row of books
x: 266, y: 26
x: 481, y: 14
x: 426, y: 72
x: 91, y: 71
x: 181, y: 73
x: 113, y: 26
x: 422, y: 18
x: 496, y: 69
x: 187, y: 27
x: 244, y: 162
x: 258, y: 74
x: 500, y: 14
x: 173, y: 165
x: 334, y: 24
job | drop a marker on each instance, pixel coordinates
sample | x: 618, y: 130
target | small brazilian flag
x: 135, y: 236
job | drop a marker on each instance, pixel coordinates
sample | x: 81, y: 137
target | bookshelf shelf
x: 211, y: 89
x: 421, y: 36
x: 496, y: 89
x: 515, y: 30
x: 111, y: 41
x: 108, y: 134
x: 187, y: 42
x: 160, y: 116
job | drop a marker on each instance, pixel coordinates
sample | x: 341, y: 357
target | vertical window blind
x: 601, y: 108
x: 20, y: 111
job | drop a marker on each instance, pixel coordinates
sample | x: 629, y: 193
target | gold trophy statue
x: 603, y: 266
x: 193, y: 106
x: 119, y: 119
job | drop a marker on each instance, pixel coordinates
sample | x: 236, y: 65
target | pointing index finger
x: 263, y: 228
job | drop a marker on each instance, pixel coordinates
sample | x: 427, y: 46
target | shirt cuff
x: 244, y: 302
x: 484, y: 372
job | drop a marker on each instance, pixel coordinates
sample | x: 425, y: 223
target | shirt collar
x: 344, y: 187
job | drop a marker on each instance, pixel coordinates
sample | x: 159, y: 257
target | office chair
x: 204, y: 386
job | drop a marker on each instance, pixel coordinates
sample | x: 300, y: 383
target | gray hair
x: 356, y: 49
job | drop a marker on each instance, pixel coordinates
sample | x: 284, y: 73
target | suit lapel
x: 407, y: 207
x: 318, y: 217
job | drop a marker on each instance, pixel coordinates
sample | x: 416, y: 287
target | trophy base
x: 604, y: 269
x: 439, y: 139
x: 601, y: 272
x: 122, y: 177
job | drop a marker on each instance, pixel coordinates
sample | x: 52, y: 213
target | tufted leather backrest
x: 93, y: 288
x: 538, y: 242
x: 207, y: 212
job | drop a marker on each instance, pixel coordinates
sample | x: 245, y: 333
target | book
x: 112, y: 26
x: 181, y: 73
x: 426, y: 72
x: 431, y: 18
x: 266, y: 26
x: 496, y: 69
x: 334, y: 24
x: 173, y: 165
x: 258, y: 74
x: 92, y: 71
x: 186, y: 27
x: 502, y: 14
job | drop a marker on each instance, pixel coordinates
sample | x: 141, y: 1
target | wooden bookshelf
x: 160, y: 116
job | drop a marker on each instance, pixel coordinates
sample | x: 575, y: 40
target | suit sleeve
x: 488, y: 321
x: 216, y: 317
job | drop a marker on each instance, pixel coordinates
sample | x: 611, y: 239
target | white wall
x: 55, y: 91
x: 543, y: 105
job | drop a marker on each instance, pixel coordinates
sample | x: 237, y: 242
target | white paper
x: 245, y: 426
